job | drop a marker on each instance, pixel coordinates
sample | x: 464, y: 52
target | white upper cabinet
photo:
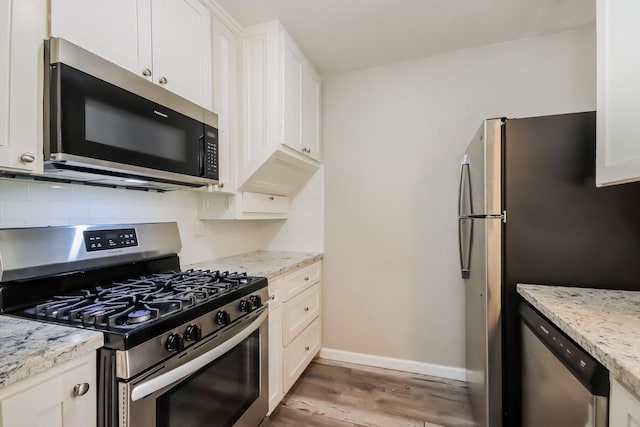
x: 618, y: 133
x: 311, y: 111
x: 225, y: 91
x: 279, y: 145
x: 301, y: 101
x: 165, y: 41
x: 23, y: 25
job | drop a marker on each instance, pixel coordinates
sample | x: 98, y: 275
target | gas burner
x: 139, y: 316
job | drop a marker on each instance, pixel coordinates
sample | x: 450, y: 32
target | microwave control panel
x: 101, y: 240
x: 211, y: 153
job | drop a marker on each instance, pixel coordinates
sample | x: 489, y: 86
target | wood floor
x: 335, y: 394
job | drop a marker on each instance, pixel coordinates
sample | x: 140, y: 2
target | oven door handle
x: 183, y: 371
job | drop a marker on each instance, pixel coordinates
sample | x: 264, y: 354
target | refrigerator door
x: 481, y: 261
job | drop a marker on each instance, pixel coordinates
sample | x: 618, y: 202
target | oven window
x: 218, y: 394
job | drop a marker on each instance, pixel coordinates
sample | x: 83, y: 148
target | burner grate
x: 134, y: 302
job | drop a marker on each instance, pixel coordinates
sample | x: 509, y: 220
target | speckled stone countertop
x: 606, y: 323
x: 261, y: 263
x: 29, y: 347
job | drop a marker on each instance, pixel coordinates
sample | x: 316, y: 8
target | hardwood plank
x: 330, y: 393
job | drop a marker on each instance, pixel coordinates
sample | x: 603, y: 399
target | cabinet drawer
x: 298, y: 354
x: 299, y: 312
x: 298, y: 281
x: 264, y: 203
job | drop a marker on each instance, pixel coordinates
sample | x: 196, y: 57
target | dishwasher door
x: 562, y: 385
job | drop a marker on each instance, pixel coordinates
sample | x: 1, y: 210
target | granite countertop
x: 606, y: 323
x: 261, y: 263
x: 29, y: 347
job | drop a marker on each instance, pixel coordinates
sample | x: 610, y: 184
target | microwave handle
x: 183, y: 371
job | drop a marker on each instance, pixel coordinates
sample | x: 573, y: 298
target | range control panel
x: 101, y: 240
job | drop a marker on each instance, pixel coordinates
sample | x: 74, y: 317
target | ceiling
x: 345, y: 35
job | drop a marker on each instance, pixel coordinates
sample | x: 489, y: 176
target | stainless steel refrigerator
x: 529, y: 212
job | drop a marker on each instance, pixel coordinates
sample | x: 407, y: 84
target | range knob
x: 175, y: 342
x: 223, y: 317
x: 246, y: 306
x: 256, y: 301
x: 193, y: 333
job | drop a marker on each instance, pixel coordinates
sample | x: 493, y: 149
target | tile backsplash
x: 27, y: 203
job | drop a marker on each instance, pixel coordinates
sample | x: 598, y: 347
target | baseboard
x: 434, y: 370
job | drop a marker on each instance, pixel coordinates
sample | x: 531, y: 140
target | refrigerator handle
x: 465, y: 250
x: 465, y: 178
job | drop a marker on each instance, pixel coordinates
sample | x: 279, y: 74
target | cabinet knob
x: 273, y: 297
x: 80, y: 389
x: 306, y: 150
x: 307, y: 348
x: 221, y: 185
x: 146, y: 72
x: 306, y: 278
x: 28, y: 157
x: 271, y: 198
x: 306, y: 309
x: 162, y: 81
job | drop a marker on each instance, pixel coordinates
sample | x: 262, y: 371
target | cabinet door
x: 292, y: 94
x: 117, y: 30
x: 181, y: 39
x: 23, y: 25
x: 624, y: 409
x: 618, y: 100
x: 275, y: 358
x: 52, y: 402
x: 311, y: 113
x: 225, y: 96
x: 297, y: 355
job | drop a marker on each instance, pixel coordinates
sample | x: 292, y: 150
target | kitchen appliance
x: 561, y: 383
x: 181, y: 347
x: 529, y: 211
x: 105, y: 125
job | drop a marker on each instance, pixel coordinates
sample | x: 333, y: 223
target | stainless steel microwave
x: 107, y: 126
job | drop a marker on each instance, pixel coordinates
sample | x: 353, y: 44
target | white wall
x: 393, y: 139
x: 34, y: 204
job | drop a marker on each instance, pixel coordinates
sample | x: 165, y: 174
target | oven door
x: 221, y: 382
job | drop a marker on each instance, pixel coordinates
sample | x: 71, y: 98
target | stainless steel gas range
x: 181, y: 347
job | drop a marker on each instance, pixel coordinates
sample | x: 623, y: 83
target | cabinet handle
x: 162, y: 81
x: 306, y: 278
x: 307, y: 348
x: 28, y: 158
x: 306, y: 309
x: 273, y: 297
x: 146, y: 72
x: 221, y: 185
x: 271, y: 198
x: 80, y: 389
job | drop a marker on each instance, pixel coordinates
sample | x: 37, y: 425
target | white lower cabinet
x: 64, y: 396
x: 624, y: 407
x: 297, y: 355
x: 294, y: 328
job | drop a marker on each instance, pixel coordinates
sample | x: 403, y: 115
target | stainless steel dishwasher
x: 562, y: 385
